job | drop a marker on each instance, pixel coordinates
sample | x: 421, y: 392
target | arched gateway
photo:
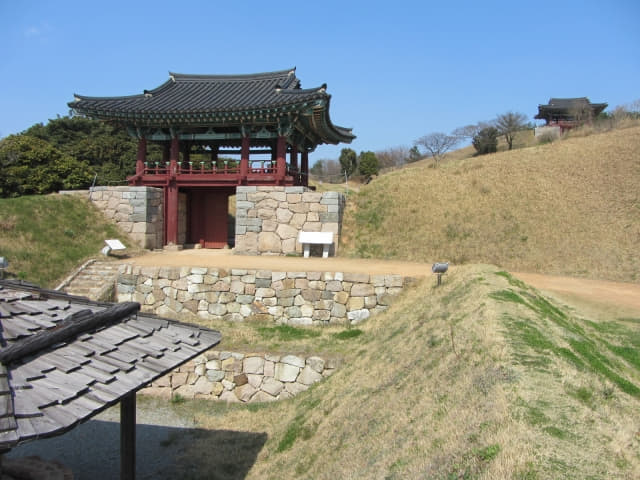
x: 265, y: 114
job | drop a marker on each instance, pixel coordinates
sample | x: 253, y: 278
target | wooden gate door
x: 208, y: 218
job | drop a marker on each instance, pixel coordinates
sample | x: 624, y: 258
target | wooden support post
x: 128, y: 437
x: 142, y: 156
x: 244, y: 159
x: 281, y: 162
x: 304, y: 168
x: 293, y: 158
x: 171, y: 207
x: 171, y: 195
x: 174, y: 155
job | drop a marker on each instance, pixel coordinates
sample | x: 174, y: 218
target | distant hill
x: 570, y: 207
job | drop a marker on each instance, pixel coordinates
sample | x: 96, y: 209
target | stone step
x: 93, y: 280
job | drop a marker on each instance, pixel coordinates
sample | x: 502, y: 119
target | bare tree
x: 393, y: 157
x: 467, y: 132
x: 437, y: 144
x: 509, y: 123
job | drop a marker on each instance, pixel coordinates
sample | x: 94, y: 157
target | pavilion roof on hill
x: 221, y: 100
x: 568, y: 106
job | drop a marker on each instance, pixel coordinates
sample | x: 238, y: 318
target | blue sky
x: 396, y: 70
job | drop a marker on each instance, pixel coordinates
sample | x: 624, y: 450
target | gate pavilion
x: 265, y: 114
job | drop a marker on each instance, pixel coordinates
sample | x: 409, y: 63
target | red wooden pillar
x: 281, y: 162
x: 244, y: 159
x: 142, y: 156
x: 293, y: 157
x: 304, y: 168
x: 171, y: 195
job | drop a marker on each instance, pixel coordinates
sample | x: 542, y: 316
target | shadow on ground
x: 92, y: 451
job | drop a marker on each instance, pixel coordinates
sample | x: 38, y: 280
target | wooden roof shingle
x: 64, y: 359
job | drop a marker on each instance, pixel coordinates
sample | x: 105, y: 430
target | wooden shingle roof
x: 191, y: 100
x: 65, y: 359
x: 567, y: 105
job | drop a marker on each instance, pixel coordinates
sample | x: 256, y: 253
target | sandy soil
x: 625, y: 295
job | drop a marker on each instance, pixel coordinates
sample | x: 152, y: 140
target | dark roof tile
x: 48, y: 391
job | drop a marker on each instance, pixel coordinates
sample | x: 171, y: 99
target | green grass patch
x: 45, y: 237
x: 348, y: 334
x: 507, y: 296
x: 287, y: 333
x: 487, y: 453
x: 514, y: 282
x: 602, y: 365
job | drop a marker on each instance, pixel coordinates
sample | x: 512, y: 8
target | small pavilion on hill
x: 567, y: 113
x: 263, y: 118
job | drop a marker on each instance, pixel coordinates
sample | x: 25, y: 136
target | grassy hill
x: 570, y: 207
x: 481, y: 378
x: 45, y: 237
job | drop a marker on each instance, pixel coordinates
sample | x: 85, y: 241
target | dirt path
x: 615, y: 293
x: 226, y: 259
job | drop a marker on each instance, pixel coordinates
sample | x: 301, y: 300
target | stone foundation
x: 137, y: 211
x: 238, y: 377
x: 300, y: 298
x: 268, y: 219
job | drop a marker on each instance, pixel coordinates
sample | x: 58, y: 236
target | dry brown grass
x: 571, y: 207
x: 437, y: 387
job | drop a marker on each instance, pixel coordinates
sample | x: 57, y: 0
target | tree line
x: 65, y: 154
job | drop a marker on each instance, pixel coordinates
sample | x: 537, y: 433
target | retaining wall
x: 238, y: 377
x: 138, y: 211
x: 268, y: 219
x: 300, y: 298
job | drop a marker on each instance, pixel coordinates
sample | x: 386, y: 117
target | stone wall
x: 301, y: 298
x: 238, y: 377
x: 137, y: 211
x: 268, y: 219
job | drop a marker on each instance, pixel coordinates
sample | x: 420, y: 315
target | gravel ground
x: 92, y: 450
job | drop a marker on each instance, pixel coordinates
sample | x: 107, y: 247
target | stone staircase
x: 95, y: 280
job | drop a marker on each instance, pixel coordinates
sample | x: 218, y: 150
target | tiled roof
x: 209, y: 93
x: 47, y: 389
x: 567, y: 104
x: 201, y: 101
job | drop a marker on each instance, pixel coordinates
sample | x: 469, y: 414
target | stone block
x: 215, y: 375
x: 240, y: 379
x: 254, y: 365
x: 286, y: 373
x: 270, y: 366
x: 312, y: 197
x: 269, y: 242
x: 213, y: 365
x: 355, y: 303
x: 316, y: 364
x: 308, y: 376
x: 358, y: 316
x: 229, y: 397
x: 293, y: 360
x: 245, y: 392
x: 202, y: 386
x: 286, y: 231
x: 272, y: 386
x: 362, y: 290
x: 255, y: 380
x: 295, y: 388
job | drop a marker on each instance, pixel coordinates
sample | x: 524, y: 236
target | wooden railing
x: 224, y: 168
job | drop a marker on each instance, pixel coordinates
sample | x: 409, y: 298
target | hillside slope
x: 571, y: 207
x: 480, y: 378
x: 45, y: 237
